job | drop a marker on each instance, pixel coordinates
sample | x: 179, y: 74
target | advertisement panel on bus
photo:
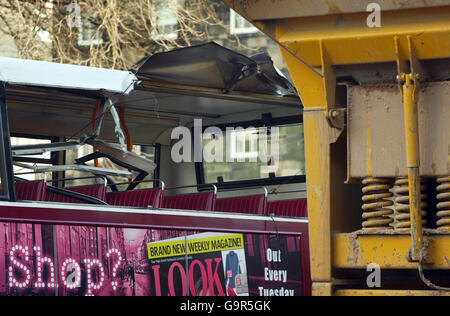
x: 106, y: 261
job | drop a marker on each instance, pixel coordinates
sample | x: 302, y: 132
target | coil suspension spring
x: 444, y: 203
x: 402, y: 209
x: 377, y: 200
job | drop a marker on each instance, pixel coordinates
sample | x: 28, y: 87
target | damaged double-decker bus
x: 183, y: 178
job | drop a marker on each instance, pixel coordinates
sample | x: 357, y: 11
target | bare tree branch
x: 115, y: 33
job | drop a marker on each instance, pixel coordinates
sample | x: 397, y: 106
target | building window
x: 239, y: 25
x: 165, y: 20
x: 284, y: 155
x: 39, y: 160
x: 89, y: 35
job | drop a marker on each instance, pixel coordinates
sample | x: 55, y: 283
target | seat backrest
x: 255, y: 204
x: 97, y: 191
x: 31, y: 191
x: 138, y: 198
x: 290, y: 208
x: 197, y: 202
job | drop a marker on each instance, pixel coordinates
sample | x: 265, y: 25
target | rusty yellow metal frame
x: 353, y: 251
x: 312, y: 46
x: 348, y: 40
x: 412, y: 38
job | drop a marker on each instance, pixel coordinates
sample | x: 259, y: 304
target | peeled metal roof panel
x: 213, y: 66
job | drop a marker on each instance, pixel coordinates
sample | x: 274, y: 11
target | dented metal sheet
x: 376, y: 141
x: 213, y: 66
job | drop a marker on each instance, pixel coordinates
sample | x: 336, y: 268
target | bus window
x: 3, y: 193
x: 45, y: 159
x: 71, y: 155
x: 7, y: 191
x: 253, y: 154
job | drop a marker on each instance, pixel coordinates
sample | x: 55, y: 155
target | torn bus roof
x: 54, y: 75
x: 153, y: 104
x: 213, y: 66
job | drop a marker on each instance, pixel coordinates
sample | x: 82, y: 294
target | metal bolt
x: 334, y: 113
x: 401, y: 77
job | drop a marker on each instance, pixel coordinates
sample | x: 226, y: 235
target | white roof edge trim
x: 54, y: 75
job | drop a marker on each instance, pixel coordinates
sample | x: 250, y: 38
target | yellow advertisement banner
x: 176, y: 248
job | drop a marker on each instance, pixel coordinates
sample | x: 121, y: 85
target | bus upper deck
x: 85, y: 147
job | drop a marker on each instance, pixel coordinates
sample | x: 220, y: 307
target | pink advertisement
x: 51, y: 260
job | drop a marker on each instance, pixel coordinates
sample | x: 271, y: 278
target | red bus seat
x: 97, y: 191
x: 31, y: 191
x: 289, y: 208
x: 255, y: 204
x: 196, y: 202
x: 138, y: 198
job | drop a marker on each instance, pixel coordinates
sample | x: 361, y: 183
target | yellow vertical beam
x: 317, y: 148
x: 413, y: 162
x: 319, y: 136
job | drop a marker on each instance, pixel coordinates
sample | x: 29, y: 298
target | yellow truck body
x: 373, y: 77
